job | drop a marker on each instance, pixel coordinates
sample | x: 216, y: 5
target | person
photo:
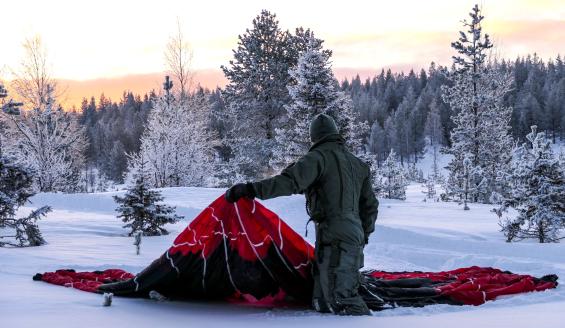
x: 340, y: 201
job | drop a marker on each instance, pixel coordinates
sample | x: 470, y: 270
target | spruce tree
x: 313, y: 90
x: 481, y: 132
x: 140, y: 210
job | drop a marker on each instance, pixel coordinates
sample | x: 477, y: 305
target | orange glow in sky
x: 93, y: 44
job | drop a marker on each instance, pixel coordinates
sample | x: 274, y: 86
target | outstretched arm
x: 292, y: 180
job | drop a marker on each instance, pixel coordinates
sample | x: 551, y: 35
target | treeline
x: 114, y: 130
x: 396, y: 105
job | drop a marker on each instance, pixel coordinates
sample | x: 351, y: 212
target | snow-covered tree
x: 415, y: 174
x: 178, y: 57
x: 177, y: 144
x: 313, y: 90
x: 15, y: 190
x: 481, y: 131
x: 139, y: 208
x: 430, y: 188
x: 33, y: 81
x: 50, y: 142
x: 537, y: 193
x: 435, y: 137
x: 256, y: 94
x: 92, y: 180
x: 390, y: 178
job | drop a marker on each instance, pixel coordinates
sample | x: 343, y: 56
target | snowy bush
x: 537, y: 193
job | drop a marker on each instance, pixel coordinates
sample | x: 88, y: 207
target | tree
x: 481, y: 131
x: 140, y: 210
x: 430, y: 186
x: 33, y: 81
x: 178, y: 57
x: 113, y: 131
x: 313, y: 90
x: 50, y: 142
x: 256, y: 93
x: 9, y: 107
x: 177, y: 145
x: 15, y: 191
x: 537, y: 193
x: 435, y: 137
x: 391, y: 181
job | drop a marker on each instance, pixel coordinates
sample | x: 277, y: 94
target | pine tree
x: 481, y: 132
x: 390, y: 178
x: 538, y: 193
x: 140, y: 210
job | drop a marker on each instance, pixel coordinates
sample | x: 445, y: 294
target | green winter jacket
x: 336, y: 185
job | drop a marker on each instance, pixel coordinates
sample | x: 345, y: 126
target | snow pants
x: 336, y: 279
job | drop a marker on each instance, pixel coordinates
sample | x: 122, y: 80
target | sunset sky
x: 110, y: 46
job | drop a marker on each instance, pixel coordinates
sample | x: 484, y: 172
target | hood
x: 322, y: 126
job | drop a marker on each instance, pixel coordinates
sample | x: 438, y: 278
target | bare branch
x: 178, y: 58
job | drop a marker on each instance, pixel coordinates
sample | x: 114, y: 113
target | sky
x: 111, y: 46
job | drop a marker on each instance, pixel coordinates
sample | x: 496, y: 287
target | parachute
x: 243, y: 252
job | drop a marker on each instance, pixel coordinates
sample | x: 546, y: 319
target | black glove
x: 240, y: 190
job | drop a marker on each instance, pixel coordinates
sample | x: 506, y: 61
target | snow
x: 83, y: 233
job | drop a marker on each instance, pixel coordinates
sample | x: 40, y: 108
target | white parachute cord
x: 224, y: 236
x: 172, y: 263
x: 204, y: 268
x: 280, y: 233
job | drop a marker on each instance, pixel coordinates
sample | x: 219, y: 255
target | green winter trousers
x: 336, y: 279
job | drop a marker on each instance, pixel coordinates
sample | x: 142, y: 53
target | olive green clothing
x: 341, y: 202
x: 336, y: 279
x: 337, y: 188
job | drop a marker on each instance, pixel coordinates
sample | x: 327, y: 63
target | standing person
x: 342, y: 204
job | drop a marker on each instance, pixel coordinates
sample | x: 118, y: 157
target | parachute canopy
x: 245, y: 252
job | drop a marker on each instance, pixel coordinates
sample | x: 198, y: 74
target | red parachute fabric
x: 86, y: 281
x: 243, y: 252
x: 251, y: 229
x: 474, y: 285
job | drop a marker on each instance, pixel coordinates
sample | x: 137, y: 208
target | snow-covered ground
x: 83, y: 233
